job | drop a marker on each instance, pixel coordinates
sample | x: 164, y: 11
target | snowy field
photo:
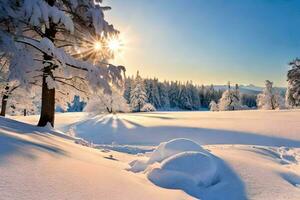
x: 243, y: 155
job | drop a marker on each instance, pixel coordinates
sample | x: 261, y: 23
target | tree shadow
x: 10, y: 145
x: 138, y: 134
x: 148, y: 115
x: 14, y: 144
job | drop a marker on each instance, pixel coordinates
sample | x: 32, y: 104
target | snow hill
x: 243, y: 155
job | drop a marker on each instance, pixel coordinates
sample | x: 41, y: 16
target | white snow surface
x: 257, y: 155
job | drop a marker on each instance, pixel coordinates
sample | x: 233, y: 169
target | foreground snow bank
x: 184, y: 170
x: 179, y: 164
x: 183, y: 164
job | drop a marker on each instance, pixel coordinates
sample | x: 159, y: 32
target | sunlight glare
x: 97, y: 46
x: 114, y: 44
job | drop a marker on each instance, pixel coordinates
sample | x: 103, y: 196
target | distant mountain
x: 249, y: 89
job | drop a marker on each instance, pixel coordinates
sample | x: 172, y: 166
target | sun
x: 97, y: 46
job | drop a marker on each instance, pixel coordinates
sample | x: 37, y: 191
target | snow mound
x: 166, y: 150
x: 185, y: 169
x: 172, y: 147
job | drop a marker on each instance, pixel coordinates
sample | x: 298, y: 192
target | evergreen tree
x: 184, y: 99
x: 163, y: 93
x: 138, y: 96
x: 76, y: 105
x: 127, y: 89
x: 174, y: 94
x: 154, y: 97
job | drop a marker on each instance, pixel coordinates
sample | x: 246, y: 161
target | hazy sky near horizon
x: 208, y: 41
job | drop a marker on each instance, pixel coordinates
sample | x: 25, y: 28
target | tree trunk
x: 48, y: 101
x: 3, y: 106
x: 48, y: 95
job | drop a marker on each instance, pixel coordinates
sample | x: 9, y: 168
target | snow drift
x: 166, y: 150
x: 184, y: 170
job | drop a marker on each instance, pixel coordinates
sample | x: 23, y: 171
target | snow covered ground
x: 256, y: 154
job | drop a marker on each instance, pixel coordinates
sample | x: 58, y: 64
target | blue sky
x: 208, y: 41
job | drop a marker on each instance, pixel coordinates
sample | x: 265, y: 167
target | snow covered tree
x: 127, y: 89
x: 138, y: 96
x: 76, y: 105
x: 64, y: 45
x: 6, y: 87
x: 213, y: 106
x: 185, y: 101
x: 230, y: 99
x: 293, y: 89
x: 269, y: 99
x: 23, y: 102
x: 153, y: 92
x: 108, y: 103
x: 193, y: 95
x: 174, y: 94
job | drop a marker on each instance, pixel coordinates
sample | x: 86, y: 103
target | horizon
x: 253, y: 40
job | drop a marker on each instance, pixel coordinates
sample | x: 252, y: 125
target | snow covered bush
x: 148, y: 107
x: 293, y: 89
x: 213, y: 106
x: 230, y: 99
x: 269, y: 99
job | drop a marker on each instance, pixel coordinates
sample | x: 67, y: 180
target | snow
x: 255, y: 154
x: 35, y: 164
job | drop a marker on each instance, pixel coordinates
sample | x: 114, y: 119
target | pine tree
x: 138, y: 96
x: 293, y: 89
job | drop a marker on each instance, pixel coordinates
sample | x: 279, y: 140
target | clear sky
x: 208, y: 41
